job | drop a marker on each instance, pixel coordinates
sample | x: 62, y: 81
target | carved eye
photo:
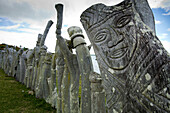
x: 100, y: 37
x: 122, y: 21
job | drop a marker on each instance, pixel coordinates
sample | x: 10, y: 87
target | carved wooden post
x: 63, y: 82
x: 9, y: 61
x: 53, y: 87
x: 28, y: 64
x: 53, y: 73
x: 22, y: 67
x: 18, y: 64
x: 66, y: 91
x: 60, y: 71
x: 38, y: 90
x: 29, y: 69
x: 46, y: 74
x: 49, y: 24
x: 85, y: 66
x: 5, y: 59
x: 13, y: 62
x: 72, y: 63
x: 97, y: 94
x: 36, y: 56
x: 135, y: 68
x: 40, y: 43
x: 2, y: 58
x: 59, y: 9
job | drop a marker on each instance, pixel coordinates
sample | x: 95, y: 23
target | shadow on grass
x: 14, y: 98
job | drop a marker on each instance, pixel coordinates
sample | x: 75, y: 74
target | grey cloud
x: 78, y: 6
x: 22, y: 10
x: 37, y: 10
x: 165, y: 4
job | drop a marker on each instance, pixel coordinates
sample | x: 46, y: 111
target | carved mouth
x: 118, y: 53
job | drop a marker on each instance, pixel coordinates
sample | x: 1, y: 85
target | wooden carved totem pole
x: 135, y: 67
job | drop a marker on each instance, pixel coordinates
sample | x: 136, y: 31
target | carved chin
x: 119, y: 61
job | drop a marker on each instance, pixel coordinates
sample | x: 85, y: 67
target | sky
x: 22, y: 20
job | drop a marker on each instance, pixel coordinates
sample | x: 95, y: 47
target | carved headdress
x: 99, y: 13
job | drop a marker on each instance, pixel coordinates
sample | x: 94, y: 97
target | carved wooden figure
x: 14, y: 54
x: 63, y: 70
x: 59, y: 74
x: 49, y: 24
x: 63, y: 82
x: 22, y: 66
x: 97, y: 93
x: 53, y: 87
x: 29, y: 70
x: 5, y: 58
x: 46, y: 74
x: 9, y: 61
x: 19, y: 53
x: 135, y: 67
x: 85, y: 66
x: 66, y: 90
x: 28, y: 64
x: 72, y: 63
x: 2, y: 58
x: 39, y: 89
x: 36, y: 55
x: 13, y: 68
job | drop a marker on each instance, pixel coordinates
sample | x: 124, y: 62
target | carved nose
x: 111, y: 44
x: 114, y: 39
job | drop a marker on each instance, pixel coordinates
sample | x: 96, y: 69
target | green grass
x: 14, y: 98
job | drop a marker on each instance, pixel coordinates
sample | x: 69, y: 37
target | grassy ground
x: 14, y: 98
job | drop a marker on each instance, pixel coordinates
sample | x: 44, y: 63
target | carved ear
x: 143, y: 9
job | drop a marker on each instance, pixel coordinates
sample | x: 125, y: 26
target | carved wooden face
x: 112, y: 33
x: 114, y: 40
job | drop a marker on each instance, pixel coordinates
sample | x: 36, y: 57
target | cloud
x: 163, y: 36
x: 28, y: 30
x: 23, y: 39
x: 20, y: 11
x: 166, y: 45
x: 157, y: 22
x: 155, y: 3
x: 39, y: 11
x: 165, y: 4
x: 168, y: 29
x: 166, y: 13
x: 10, y: 27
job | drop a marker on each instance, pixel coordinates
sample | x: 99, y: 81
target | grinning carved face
x: 114, y: 41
